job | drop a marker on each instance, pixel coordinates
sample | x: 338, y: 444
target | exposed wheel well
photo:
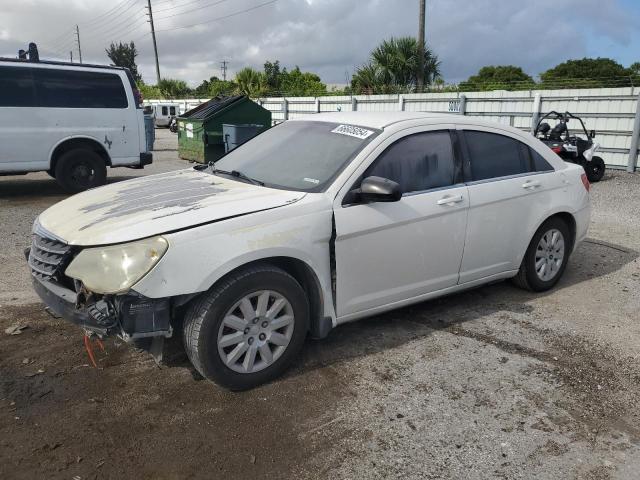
x: 571, y: 223
x: 306, y: 277
x: 79, y: 143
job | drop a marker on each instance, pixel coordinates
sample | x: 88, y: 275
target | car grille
x: 47, y: 257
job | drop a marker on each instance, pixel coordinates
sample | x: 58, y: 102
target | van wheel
x: 248, y: 328
x: 546, y: 258
x: 80, y: 169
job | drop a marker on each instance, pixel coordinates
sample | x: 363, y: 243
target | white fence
x: 613, y: 113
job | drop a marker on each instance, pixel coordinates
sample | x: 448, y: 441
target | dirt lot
x: 492, y: 383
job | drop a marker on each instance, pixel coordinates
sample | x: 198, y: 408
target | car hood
x: 156, y: 204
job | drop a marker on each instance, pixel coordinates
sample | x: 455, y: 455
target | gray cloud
x: 331, y: 37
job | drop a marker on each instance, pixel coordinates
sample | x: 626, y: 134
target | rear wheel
x: 80, y: 169
x: 248, y: 329
x: 546, y: 258
x: 594, y: 169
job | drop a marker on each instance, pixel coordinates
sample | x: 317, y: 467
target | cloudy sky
x: 329, y: 37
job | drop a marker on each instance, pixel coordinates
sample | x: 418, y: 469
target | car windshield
x: 299, y: 155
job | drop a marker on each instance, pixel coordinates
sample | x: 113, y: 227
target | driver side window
x: 417, y: 162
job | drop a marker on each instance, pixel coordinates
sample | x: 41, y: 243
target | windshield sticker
x: 353, y: 131
x: 312, y: 180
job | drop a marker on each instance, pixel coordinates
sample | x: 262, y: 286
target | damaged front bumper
x: 129, y: 316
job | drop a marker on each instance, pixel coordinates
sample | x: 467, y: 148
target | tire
x: 80, y: 169
x: 528, y: 277
x: 205, y: 329
x: 594, y: 169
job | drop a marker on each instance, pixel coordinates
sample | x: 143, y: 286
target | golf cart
x: 571, y: 148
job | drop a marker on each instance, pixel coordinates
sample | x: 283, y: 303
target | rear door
x: 507, y: 198
x: 390, y: 252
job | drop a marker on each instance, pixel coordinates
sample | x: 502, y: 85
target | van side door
x: 19, y: 144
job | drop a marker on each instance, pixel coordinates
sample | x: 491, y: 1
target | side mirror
x: 378, y: 189
x: 592, y: 134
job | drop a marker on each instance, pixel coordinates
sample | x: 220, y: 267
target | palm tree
x: 395, y: 62
x: 251, y: 82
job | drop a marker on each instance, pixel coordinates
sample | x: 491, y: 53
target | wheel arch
x: 73, y: 143
x: 567, y: 218
x: 303, y: 273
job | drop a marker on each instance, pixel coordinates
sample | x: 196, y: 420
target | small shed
x: 200, y: 133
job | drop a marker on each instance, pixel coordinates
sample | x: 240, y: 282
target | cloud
x: 330, y: 37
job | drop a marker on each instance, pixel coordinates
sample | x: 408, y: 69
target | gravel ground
x: 491, y: 383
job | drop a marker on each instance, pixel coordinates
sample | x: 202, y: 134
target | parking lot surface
x: 491, y: 383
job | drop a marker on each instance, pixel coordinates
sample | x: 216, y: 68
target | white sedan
x: 316, y: 222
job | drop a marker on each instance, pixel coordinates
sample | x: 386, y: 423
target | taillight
x: 137, y: 94
x: 585, y: 181
x: 556, y: 149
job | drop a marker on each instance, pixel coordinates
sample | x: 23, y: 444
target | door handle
x: 450, y: 200
x: 531, y: 184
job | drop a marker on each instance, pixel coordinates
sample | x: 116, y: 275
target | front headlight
x: 116, y: 268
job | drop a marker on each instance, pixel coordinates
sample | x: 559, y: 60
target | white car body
x: 33, y: 136
x: 364, y: 259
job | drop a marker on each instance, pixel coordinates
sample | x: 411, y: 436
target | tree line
x: 392, y: 67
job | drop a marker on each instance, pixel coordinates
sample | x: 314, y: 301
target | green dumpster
x: 200, y: 136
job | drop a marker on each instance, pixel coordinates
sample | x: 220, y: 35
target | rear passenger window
x: 172, y: 110
x: 165, y: 111
x: 78, y: 89
x: 493, y: 155
x: 539, y: 163
x: 417, y: 162
x: 16, y: 87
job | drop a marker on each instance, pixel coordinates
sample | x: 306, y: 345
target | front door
x: 390, y: 252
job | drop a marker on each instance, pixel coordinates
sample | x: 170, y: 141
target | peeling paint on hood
x: 156, y: 204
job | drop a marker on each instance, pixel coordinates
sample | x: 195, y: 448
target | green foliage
x: 214, y: 87
x: 149, y: 91
x: 393, y: 67
x: 586, y: 73
x: 501, y: 77
x: 124, y: 55
x: 172, y: 88
x: 272, y: 75
x: 301, y: 84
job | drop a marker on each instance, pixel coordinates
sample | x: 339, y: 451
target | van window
x: 16, y: 87
x: 78, y: 89
x: 165, y: 111
x: 493, y: 155
x: 172, y: 110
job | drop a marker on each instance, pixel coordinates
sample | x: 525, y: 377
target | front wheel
x: 546, y: 258
x: 248, y: 328
x: 594, y: 169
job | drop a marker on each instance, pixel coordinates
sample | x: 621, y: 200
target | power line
x: 119, y: 14
x: 220, y: 18
x: 191, y: 10
x: 108, y: 12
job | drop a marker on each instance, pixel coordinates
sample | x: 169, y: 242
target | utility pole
x: 71, y: 55
x: 78, y: 39
x: 153, y: 36
x: 223, y: 67
x: 421, y: 21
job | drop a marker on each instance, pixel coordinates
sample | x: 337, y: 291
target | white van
x: 69, y: 120
x: 164, y: 112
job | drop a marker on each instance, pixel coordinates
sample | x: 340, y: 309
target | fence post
x: 401, y: 103
x: 354, y: 104
x: 285, y: 108
x: 317, y: 105
x: 463, y: 104
x: 633, y: 151
x: 535, y: 114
